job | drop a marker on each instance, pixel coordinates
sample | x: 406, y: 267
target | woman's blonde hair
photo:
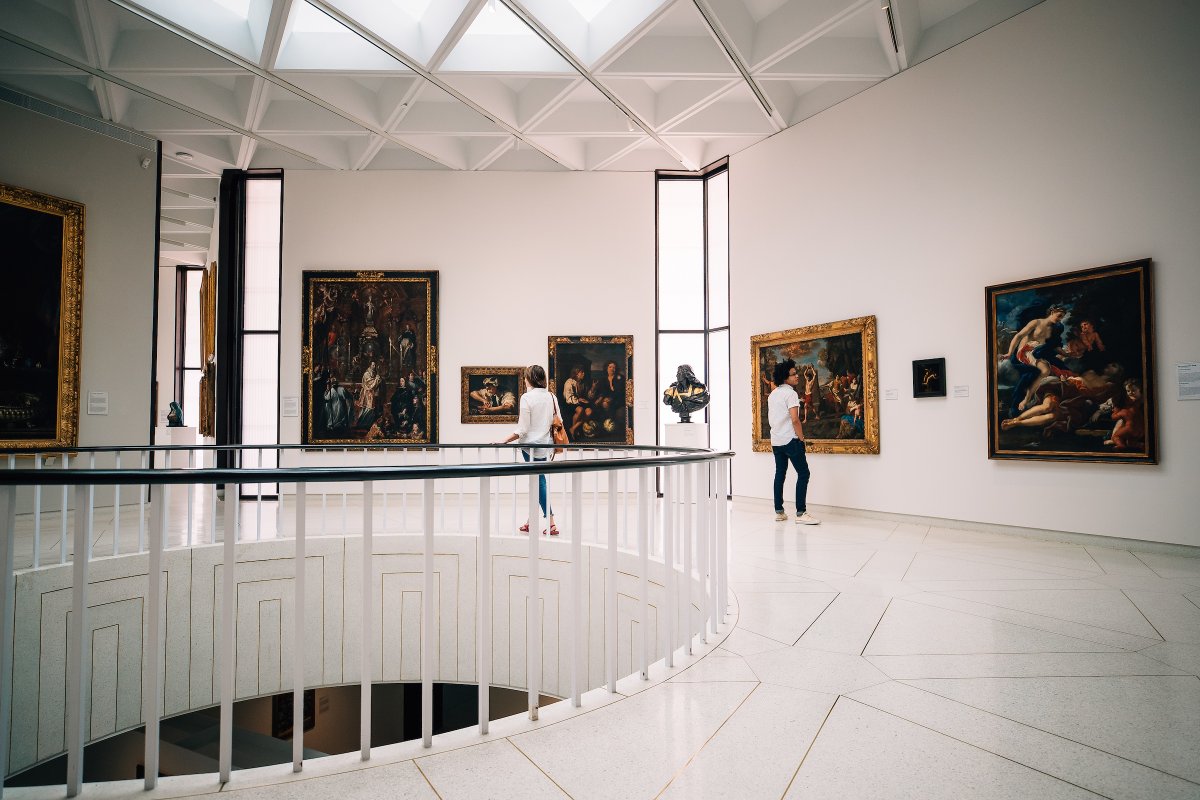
x: 536, y: 376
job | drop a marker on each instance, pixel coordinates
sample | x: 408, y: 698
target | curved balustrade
x: 383, y: 503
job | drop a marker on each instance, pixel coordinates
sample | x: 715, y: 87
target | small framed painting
x: 929, y: 377
x: 491, y: 395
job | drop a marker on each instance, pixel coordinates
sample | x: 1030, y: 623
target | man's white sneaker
x: 781, y: 516
x: 807, y: 519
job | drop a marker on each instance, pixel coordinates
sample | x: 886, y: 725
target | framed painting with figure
x: 370, y: 357
x: 592, y: 377
x: 838, y: 386
x: 491, y: 395
x: 1071, y: 366
x: 929, y: 377
x: 42, y: 318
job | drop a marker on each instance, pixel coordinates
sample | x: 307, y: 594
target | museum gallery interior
x: 276, y: 271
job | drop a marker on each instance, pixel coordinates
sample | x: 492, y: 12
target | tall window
x: 693, y: 289
x: 260, y: 321
x: 187, y: 341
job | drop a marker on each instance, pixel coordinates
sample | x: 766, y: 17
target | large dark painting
x: 839, y: 384
x: 42, y: 270
x: 592, y: 377
x: 1071, y: 374
x: 370, y: 357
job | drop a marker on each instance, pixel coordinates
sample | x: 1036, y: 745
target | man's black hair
x: 782, y: 370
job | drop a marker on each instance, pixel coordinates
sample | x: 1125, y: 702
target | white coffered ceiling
x: 526, y: 85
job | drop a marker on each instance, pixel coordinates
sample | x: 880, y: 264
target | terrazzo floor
x: 863, y: 659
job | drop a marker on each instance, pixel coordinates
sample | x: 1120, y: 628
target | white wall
x: 1061, y: 139
x: 521, y: 257
x: 59, y: 159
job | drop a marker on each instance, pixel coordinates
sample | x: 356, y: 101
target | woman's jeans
x: 793, y: 451
x: 541, y: 485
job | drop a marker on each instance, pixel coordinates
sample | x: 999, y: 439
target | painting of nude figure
x: 1070, y: 367
x: 838, y: 388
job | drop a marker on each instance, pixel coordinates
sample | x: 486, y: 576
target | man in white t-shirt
x: 787, y: 440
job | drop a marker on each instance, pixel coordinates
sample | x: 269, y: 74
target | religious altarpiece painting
x: 592, y: 378
x: 370, y: 357
x: 1070, y: 367
x: 491, y: 394
x: 42, y: 318
x: 838, y: 389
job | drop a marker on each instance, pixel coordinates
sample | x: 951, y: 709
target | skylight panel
x: 414, y: 8
x: 589, y: 9
x: 492, y: 21
x: 307, y: 19
x: 239, y: 7
x: 499, y: 41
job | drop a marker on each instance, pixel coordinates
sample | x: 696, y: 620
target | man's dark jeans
x: 793, y: 451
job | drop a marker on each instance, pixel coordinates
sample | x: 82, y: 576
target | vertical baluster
x: 516, y: 457
x: 483, y: 647
x: 143, y: 490
x: 610, y: 599
x: 117, y: 511
x: 625, y: 507
x: 462, y: 455
x: 258, y: 506
x: 324, y: 510
x: 8, y: 509
x: 404, y: 496
x: 596, y: 500
x: 152, y: 663
x: 368, y: 625
x: 533, y: 639
x: 212, y: 510
x: 345, y: 524
x: 689, y: 488
x: 91, y: 509
x: 37, y: 530
x: 644, y: 509
x: 62, y: 539
x: 669, y: 565
x: 441, y: 489
x: 722, y: 539
x: 578, y: 625
x: 428, y: 640
x: 703, y: 492
x: 228, y: 600
x: 191, y: 497
x: 298, y: 644
x: 78, y: 651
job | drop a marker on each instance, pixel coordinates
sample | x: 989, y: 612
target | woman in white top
x: 538, y: 408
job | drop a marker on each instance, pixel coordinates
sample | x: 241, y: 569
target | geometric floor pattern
x: 867, y: 659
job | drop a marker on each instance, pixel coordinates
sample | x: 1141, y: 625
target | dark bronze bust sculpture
x: 686, y: 394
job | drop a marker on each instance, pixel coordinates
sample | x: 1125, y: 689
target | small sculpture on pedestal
x: 687, y: 394
x: 175, y: 416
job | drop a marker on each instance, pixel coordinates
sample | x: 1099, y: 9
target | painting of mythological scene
x: 491, y: 394
x: 1071, y: 374
x: 40, y: 320
x: 838, y: 387
x: 592, y: 377
x: 370, y: 357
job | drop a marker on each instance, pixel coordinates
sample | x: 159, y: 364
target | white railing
x: 683, y: 537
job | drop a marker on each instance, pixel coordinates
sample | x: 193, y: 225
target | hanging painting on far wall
x: 370, y: 358
x: 929, y: 377
x: 838, y: 389
x: 592, y: 378
x: 491, y: 395
x: 1071, y: 366
x: 41, y: 321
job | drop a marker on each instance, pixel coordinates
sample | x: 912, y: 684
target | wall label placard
x: 1189, y: 380
x: 97, y: 403
x: 963, y: 390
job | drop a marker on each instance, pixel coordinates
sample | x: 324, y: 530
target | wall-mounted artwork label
x: 838, y: 388
x: 370, y: 357
x: 1071, y: 374
x: 1189, y: 380
x: 291, y: 407
x: 97, y: 403
x: 891, y: 394
x: 962, y: 390
x: 40, y: 324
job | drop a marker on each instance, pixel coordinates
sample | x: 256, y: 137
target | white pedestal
x: 687, y: 434
x: 176, y: 436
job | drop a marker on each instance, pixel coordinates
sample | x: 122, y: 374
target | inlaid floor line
x: 877, y: 624
x: 1190, y: 600
x: 1143, y: 561
x: 538, y: 767
x: 992, y: 560
x: 808, y: 749
x: 432, y: 788
x: 1103, y: 571
x: 1143, y: 613
x: 1071, y: 621
x: 1009, y: 759
x: 837, y: 575
x: 912, y: 599
x: 906, y: 682
x: 1093, y: 588
x: 814, y: 622
x: 707, y: 741
x: 1143, y: 653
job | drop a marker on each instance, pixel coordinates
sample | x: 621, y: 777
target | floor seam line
x: 1060, y: 619
x: 811, y: 744
x: 432, y: 788
x: 878, y: 622
x: 1143, y: 613
x: 814, y: 622
x: 537, y: 766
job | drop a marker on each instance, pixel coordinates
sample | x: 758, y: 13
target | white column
x: 368, y: 626
x: 668, y: 539
x: 722, y: 539
x: 644, y: 509
x: 428, y: 603
x: 578, y: 624
x: 610, y: 598
x: 77, y: 647
x: 228, y: 601
x: 152, y: 662
x: 483, y: 647
x: 533, y: 639
x: 298, y: 643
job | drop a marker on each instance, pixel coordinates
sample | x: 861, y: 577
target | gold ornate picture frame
x: 370, y: 357
x: 491, y: 395
x: 42, y: 319
x: 838, y: 389
x: 592, y: 377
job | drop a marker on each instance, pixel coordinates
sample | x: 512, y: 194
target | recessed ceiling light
x: 183, y: 155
